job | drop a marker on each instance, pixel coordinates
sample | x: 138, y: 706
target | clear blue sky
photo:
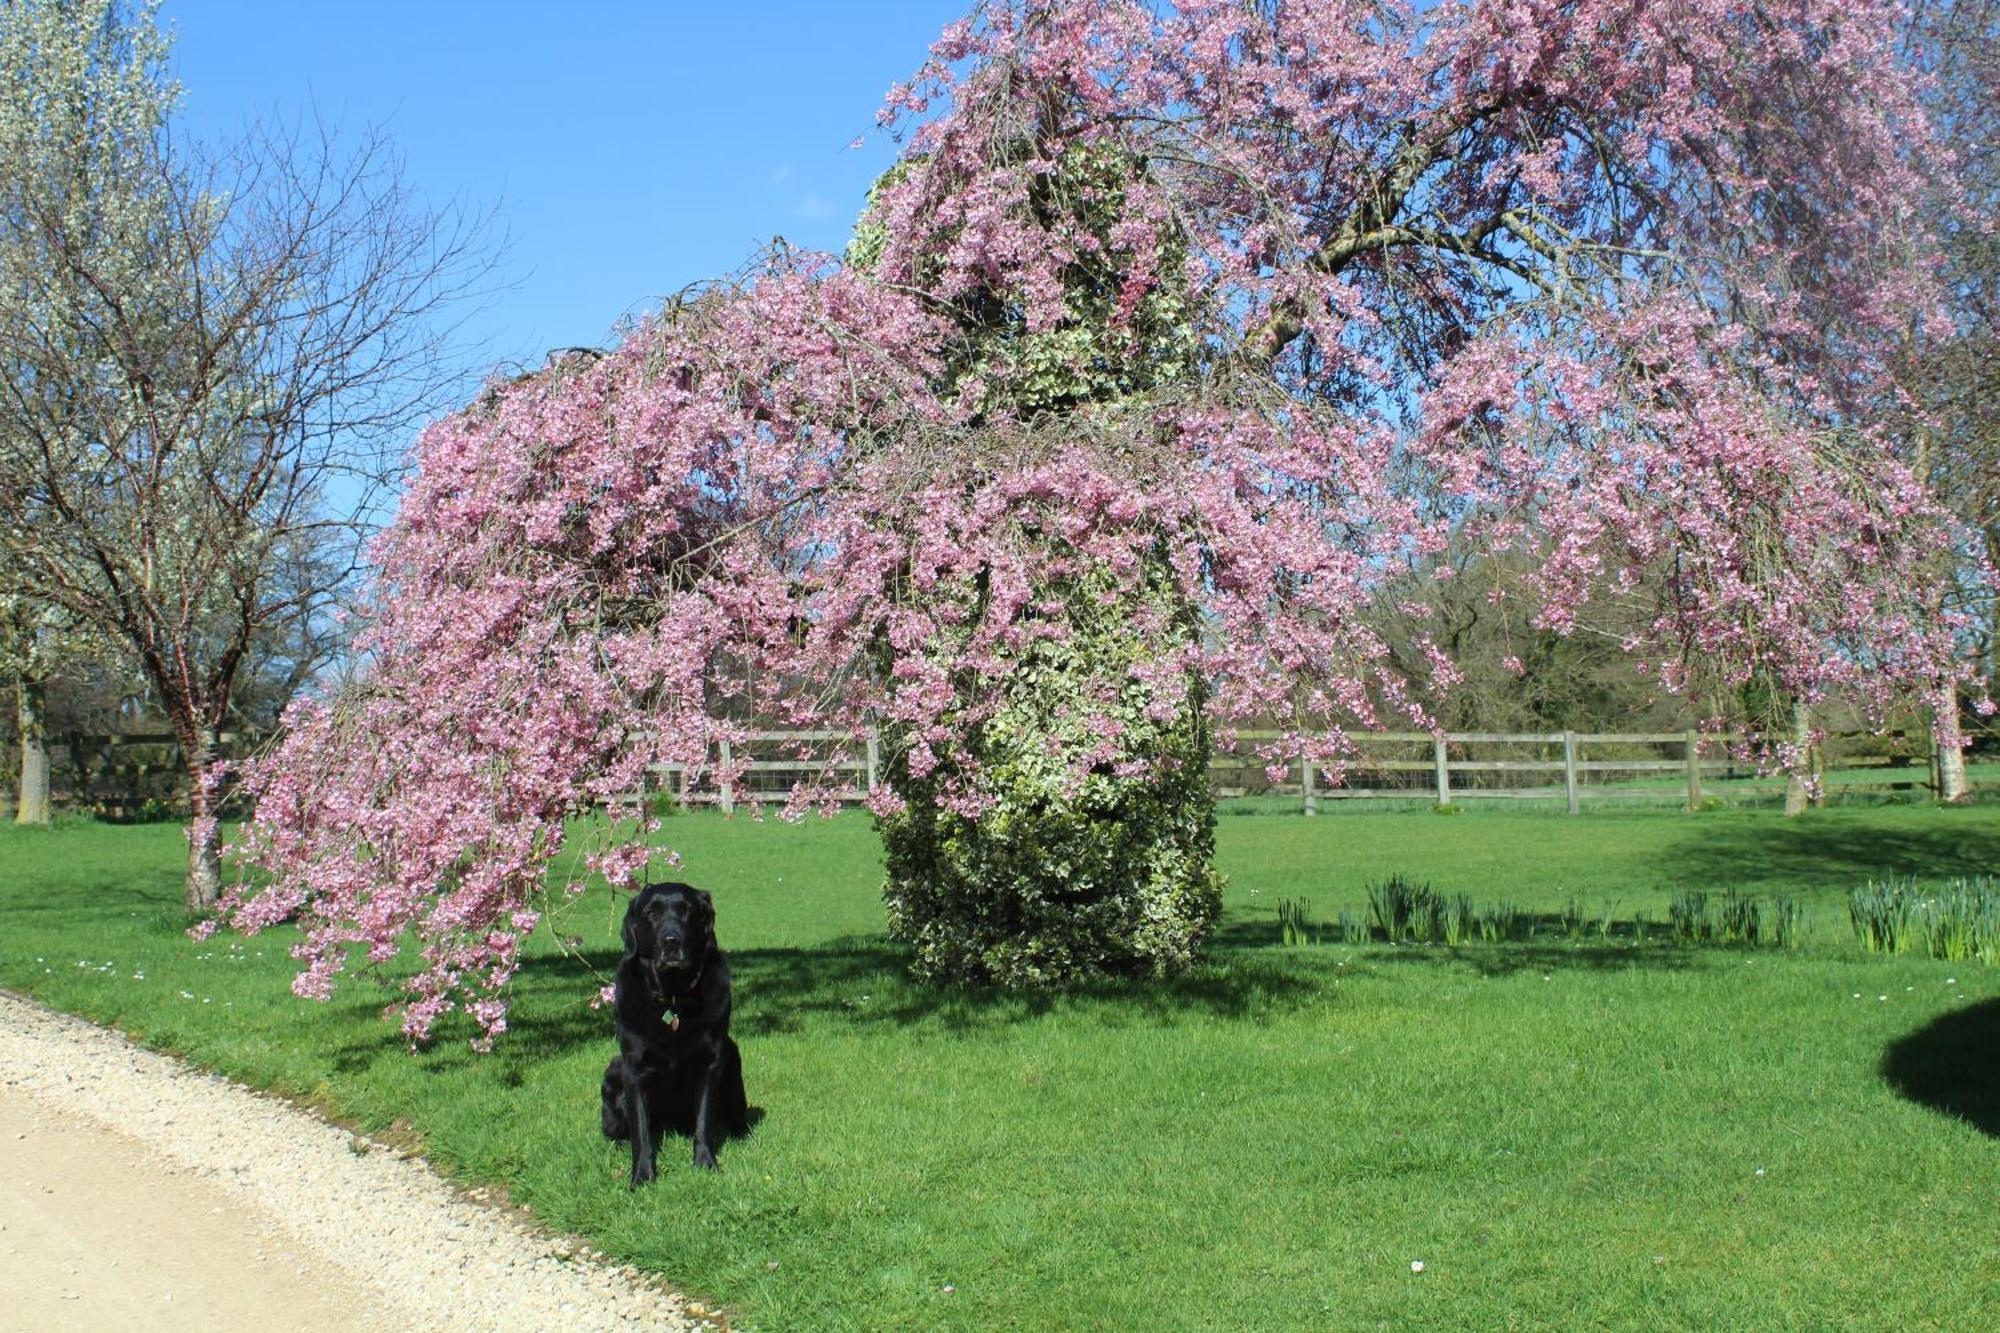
x: 630, y: 148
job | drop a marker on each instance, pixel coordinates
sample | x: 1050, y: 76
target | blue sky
x: 629, y: 148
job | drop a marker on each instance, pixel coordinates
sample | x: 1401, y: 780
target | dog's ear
x: 629, y: 932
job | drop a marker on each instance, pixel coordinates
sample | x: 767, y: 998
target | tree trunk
x: 1992, y: 654
x: 1949, y: 737
x: 33, y: 806
x: 1799, y: 789
x: 204, y: 874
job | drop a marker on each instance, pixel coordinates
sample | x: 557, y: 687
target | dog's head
x: 670, y: 928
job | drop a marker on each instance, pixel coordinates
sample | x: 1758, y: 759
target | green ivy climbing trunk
x: 1069, y: 875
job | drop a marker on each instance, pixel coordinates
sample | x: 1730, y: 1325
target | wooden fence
x: 128, y: 775
x: 140, y: 773
x: 1568, y: 766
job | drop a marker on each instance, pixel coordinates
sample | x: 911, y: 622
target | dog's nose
x: 670, y: 945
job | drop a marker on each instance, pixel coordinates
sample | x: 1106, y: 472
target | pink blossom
x: 1632, y: 314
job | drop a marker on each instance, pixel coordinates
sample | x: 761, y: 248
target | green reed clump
x: 1573, y: 919
x: 1404, y: 910
x: 1964, y: 925
x: 1690, y: 918
x: 1500, y: 922
x: 1958, y: 922
x: 1790, y: 919
x: 1459, y: 916
x: 1605, y: 918
x: 1876, y: 912
x: 1733, y: 917
x: 1295, y: 923
x: 1738, y: 919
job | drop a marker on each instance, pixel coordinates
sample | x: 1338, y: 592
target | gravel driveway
x: 136, y: 1193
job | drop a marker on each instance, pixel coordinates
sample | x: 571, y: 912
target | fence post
x: 727, y: 784
x: 874, y: 761
x: 1694, y: 770
x: 1306, y: 784
x: 1569, y: 771
x: 1443, y: 771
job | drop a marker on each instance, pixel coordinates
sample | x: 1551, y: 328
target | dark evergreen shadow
x: 1952, y: 1064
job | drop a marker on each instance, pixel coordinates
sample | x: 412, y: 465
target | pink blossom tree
x: 1613, y: 285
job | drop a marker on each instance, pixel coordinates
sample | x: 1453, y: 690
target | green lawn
x: 1566, y: 1133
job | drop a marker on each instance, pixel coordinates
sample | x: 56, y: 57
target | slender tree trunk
x: 1992, y: 646
x: 204, y: 875
x: 1798, y: 785
x: 33, y: 806
x: 1949, y: 737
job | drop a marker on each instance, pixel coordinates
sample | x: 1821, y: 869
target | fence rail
x: 124, y: 774
x: 127, y: 774
x: 1452, y: 774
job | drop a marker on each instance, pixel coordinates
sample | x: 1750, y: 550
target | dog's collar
x: 670, y: 1017
x: 672, y: 1004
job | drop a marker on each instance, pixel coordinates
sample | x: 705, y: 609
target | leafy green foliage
x: 1065, y: 876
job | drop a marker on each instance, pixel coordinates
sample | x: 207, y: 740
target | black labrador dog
x: 677, y: 1067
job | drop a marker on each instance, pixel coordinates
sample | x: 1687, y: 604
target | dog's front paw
x: 642, y: 1173
x: 704, y: 1157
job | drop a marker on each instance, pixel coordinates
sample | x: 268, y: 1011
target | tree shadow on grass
x: 1952, y: 1064
x: 863, y: 982
x: 1549, y: 944
x: 154, y: 896
x: 1508, y: 959
x: 1814, y: 852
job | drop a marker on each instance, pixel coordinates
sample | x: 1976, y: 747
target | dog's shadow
x: 681, y: 1128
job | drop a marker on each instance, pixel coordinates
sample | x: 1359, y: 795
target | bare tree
x: 210, y: 362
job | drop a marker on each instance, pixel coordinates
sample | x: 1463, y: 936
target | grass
x: 1579, y: 1129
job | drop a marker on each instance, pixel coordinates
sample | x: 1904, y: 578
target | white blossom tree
x: 209, y: 361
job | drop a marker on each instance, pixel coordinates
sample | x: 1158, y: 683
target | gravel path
x: 138, y: 1193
